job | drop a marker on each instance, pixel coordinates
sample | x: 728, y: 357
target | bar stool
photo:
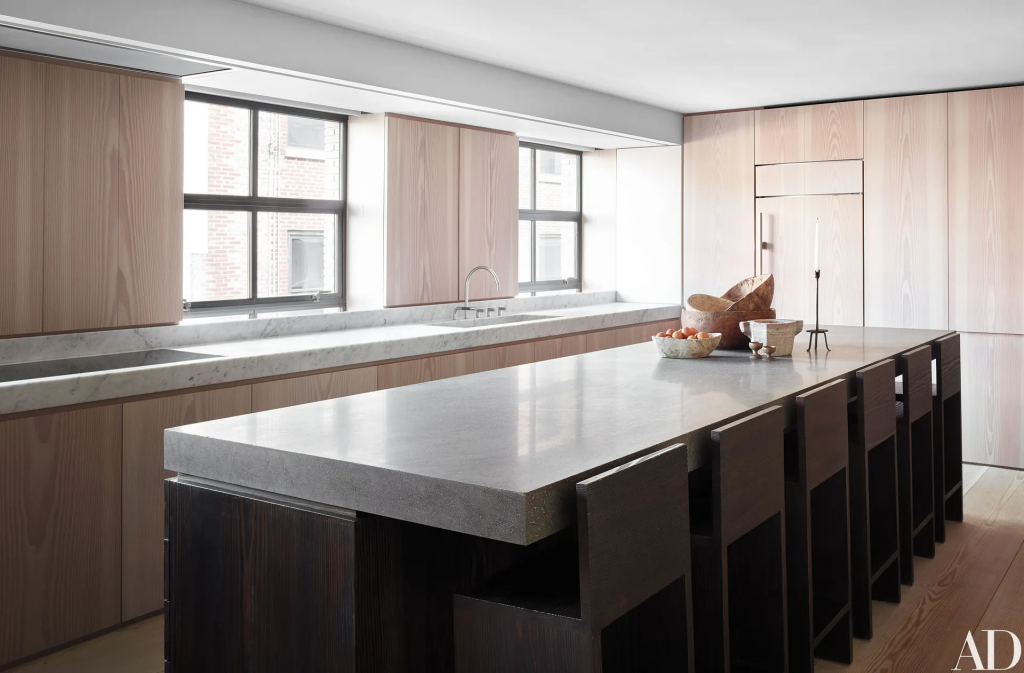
x: 874, y: 501
x: 627, y: 577
x: 948, y: 434
x: 738, y: 526
x: 915, y: 459
x: 818, y: 530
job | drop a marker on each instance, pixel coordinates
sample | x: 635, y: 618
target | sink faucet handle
x: 501, y: 309
x: 479, y: 312
x: 490, y: 310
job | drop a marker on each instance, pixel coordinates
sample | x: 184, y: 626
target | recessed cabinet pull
x: 760, y: 244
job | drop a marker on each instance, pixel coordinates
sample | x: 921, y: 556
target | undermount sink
x: 493, y: 320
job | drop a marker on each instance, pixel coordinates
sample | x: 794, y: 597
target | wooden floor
x: 976, y: 581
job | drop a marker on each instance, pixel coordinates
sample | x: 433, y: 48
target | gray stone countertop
x: 268, y: 356
x: 498, y: 454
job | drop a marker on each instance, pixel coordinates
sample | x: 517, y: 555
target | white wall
x: 234, y: 33
x: 599, y: 220
x: 649, y: 225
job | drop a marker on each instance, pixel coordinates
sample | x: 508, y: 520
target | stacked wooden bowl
x: 750, y: 299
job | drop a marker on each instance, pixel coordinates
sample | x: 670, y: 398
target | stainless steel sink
x: 494, y: 320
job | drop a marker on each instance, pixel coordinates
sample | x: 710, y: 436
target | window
x: 264, y: 206
x: 549, y: 219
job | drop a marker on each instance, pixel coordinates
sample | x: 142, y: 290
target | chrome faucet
x: 465, y: 306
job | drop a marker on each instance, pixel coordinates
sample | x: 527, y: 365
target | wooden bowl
x: 726, y: 323
x: 686, y: 349
x: 706, y: 302
x: 752, y: 294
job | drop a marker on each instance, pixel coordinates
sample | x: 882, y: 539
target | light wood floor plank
x: 972, y: 473
x: 138, y: 648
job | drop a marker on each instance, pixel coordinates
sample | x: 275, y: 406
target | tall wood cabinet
x: 905, y: 214
x: 718, y: 200
x: 431, y: 201
x: 90, y: 197
x: 22, y: 200
x: 824, y: 132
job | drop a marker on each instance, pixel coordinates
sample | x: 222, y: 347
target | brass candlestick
x: 813, y: 333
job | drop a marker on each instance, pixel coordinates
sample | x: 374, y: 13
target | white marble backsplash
x: 199, y: 331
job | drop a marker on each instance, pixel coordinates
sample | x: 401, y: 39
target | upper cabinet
x: 986, y: 210
x: 23, y: 138
x: 825, y: 132
x: 905, y: 223
x: 488, y: 212
x: 718, y: 199
x: 422, y: 212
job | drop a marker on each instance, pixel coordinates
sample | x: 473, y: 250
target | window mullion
x: 253, y: 254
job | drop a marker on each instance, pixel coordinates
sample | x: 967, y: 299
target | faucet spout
x: 465, y: 303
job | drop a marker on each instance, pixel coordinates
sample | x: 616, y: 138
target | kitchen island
x: 383, y: 505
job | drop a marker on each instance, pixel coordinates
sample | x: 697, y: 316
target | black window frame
x: 533, y: 216
x: 253, y: 204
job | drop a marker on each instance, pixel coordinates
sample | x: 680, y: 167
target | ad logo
x: 990, y: 665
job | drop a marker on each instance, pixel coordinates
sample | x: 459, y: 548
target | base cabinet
x: 60, y: 529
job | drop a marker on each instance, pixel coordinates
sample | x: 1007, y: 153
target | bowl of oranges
x: 686, y: 343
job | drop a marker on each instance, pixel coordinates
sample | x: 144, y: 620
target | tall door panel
x: 824, y: 132
x: 905, y: 223
x: 22, y: 139
x: 488, y: 212
x: 150, y: 201
x: 986, y: 210
x: 993, y: 396
x: 80, y: 228
x: 718, y: 199
x: 422, y: 213
x: 789, y: 255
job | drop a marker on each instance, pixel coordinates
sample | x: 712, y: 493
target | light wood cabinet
x: 150, y: 198
x: 486, y: 359
x: 718, y: 198
x: 421, y: 370
x: 808, y: 178
x: 81, y: 188
x: 488, y: 212
x: 60, y: 528
x: 986, y: 210
x: 789, y: 255
x: 421, y: 213
x: 992, y: 398
x: 142, y: 516
x: 561, y: 347
x: 23, y: 139
x: 905, y: 222
x: 314, y: 388
x: 824, y: 132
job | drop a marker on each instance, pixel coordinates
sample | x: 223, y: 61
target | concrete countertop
x: 498, y: 454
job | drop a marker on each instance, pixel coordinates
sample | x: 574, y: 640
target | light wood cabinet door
x: 986, y: 210
x: 824, y: 132
x: 905, y: 224
x: 142, y: 516
x: 421, y: 213
x: 422, y: 370
x: 81, y: 187
x: 810, y: 177
x: 718, y: 198
x: 23, y: 139
x: 992, y: 398
x: 150, y: 198
x: 488, y: 212
x: 314, y: 388
x: 486, y: 359
x: 60, y: 528
x: 562, y: 347
x: 789, y: 255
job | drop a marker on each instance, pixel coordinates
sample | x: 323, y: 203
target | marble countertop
x: 266, y: 350
x: 497, y: 454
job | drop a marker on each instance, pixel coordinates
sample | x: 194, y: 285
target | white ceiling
x: 694, y: 56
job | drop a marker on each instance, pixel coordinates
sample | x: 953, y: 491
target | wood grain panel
x: 60, y: 528
x: 305, y: 389
x: 421, y: 213
x: 488, y: 212
x: 80, y: 230
x: 824, y: 132
x: 986, y: 210
x: 486, y: 359
x: 992, y: 399
x: 424, y: 369
x: 814, y: 177
x: 551, y: 349
x: 905, y: 216
x: 718, y: 199
x: 789, y: 234
x: 599, y: 341
x: 142, y: 565
x: 150, y: 198
x: 22, y: 137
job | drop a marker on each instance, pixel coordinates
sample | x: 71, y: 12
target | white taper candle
x: 817, y: 265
